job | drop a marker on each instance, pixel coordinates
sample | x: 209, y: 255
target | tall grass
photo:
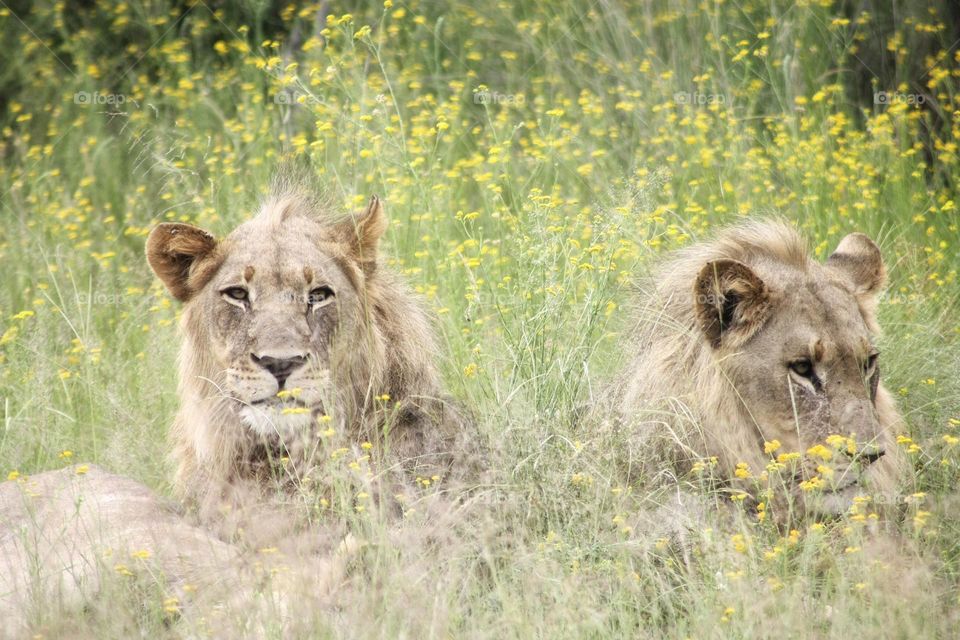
x: 534, y: 160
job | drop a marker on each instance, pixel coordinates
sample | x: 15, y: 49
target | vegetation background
x: 534, y: 159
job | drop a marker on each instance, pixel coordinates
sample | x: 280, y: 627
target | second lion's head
x: 760, y: 352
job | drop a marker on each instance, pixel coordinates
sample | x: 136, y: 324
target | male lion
x: 292, y: 326
x: 747, y: 349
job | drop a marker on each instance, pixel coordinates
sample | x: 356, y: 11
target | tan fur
x: 371, y: 340
x: 717, y: 327
x: 74, y: 540
x: 63, y: 533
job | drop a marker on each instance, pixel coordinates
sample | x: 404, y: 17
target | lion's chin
x: 272, y: 420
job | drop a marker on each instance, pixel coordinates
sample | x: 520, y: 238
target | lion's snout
x: 858, y: 420
x: 279, y: 367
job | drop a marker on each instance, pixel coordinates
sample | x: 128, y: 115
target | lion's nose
x: 279, y: 368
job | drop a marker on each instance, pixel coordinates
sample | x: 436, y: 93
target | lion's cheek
x: 328, y: 329
x: 321, y: 336
x: 769, y: 404
x: 229, y: 334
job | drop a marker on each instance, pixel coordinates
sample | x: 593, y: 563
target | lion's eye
x: 319, y: 295
x: 871, y: 363
x: 803, y: 368
x: 236, y: 293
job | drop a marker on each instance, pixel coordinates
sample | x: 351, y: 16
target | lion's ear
x: 731, y: 302
x: 363, y: 231
x: 858, y: 258
x: 172, y: 249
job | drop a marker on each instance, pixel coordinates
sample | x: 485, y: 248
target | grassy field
x: 534, y: 160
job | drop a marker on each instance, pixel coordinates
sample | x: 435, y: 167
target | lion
x: 65, y: 534
x: 75, y: 540
x: 747, y: 352
x: 291, y: 326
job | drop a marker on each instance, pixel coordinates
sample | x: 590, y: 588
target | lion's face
x: 274, y: 303
x: 811, y: 373
x: 274, y: 313
x: 800, y: 355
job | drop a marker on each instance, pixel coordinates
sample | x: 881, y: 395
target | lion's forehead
x: 825, y: 318
x: 839, y: 311
x: 281, y: 270
x: 281, y: 256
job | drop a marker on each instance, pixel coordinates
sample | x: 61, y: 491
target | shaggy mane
x: 674, y: 400
x: 673, y: 364
x: 667, y: 294
x: 293, y: 192
x: 396, y: 360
